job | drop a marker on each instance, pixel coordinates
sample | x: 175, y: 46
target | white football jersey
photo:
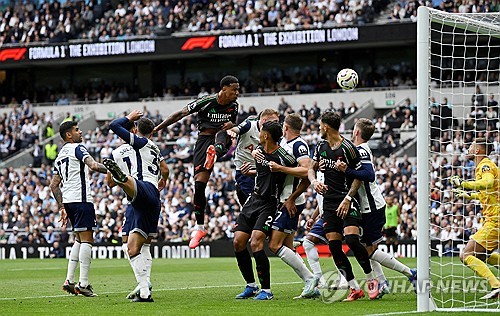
x: 248, y: 140
x: 74, y: 173
x: 148, y: 159
x: 125, y: 158
x: 298, y: 148
x: 147, y: 154
x: 371, y: 198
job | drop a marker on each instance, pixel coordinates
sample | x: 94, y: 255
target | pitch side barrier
x: 221, y: 248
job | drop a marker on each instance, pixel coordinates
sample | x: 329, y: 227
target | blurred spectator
x: 57, y: 251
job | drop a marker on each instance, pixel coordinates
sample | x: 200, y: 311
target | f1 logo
x: 204, y: 42
x: 12, y: 53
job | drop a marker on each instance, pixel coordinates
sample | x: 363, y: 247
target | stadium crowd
x: 56, y: 22
x: 60, y: 21
x: 23, y: 127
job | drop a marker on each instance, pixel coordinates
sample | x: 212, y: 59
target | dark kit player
x: 257, y: 216
x: 216, y: 114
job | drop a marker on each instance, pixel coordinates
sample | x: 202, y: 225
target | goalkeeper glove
x: 456, y: 181
x: 461, y: 194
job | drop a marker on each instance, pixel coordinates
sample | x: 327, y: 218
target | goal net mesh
x: 464, y: 89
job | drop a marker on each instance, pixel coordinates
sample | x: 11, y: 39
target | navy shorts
x: 372, y: 224
x: 318, y: 231
x: 245, y: 186
x: 284, y: 223
x: 129, y: 217
x: 257, y: 214
x: 81, y: 215
x: 146, y: 205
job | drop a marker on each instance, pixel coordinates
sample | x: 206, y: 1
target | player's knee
x: 274, y: 246
x: 353, y: 241
x: 256, y: 245
x: 307, y: 244
x: 239, y: 245
x: 133, y: 251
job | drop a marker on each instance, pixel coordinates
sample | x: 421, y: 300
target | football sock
x: 245, y: 265
x: 289, y: 257
x: 263, y: 269
x: 73, y: 261
x: 482, y: 270
x: 340, y: 259
x: 377, y: 270
x: 146, y: 253
x: 85, y: 258
x: 353, y: 284
x: 494, y: 259
x: 125, y: 250
x: 360, y: 253
x: 221, y: 140
x: 390, y: 262
x: 141, y: 274
x: 312, y: 257
x: 200, y: 201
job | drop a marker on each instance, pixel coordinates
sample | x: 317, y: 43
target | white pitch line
x: 155, y: 290
x: 394, y: 313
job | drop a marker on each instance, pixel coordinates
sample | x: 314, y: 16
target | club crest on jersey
x: 485, y: 168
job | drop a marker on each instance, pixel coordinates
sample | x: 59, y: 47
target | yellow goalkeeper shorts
x: 488, y: 236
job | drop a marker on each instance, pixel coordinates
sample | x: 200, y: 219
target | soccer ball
x: 347, y: 79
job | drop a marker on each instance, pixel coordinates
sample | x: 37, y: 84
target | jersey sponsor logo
x: 323, y: 153
x: 213, y: 111
x: 303, y: 150
x: 485, y: 168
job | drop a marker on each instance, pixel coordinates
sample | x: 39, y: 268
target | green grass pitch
x: 180, y: 287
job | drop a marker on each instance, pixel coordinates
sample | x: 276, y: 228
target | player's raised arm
x: 172, y: 118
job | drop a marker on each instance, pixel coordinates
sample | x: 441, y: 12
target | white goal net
x: 458, y: 94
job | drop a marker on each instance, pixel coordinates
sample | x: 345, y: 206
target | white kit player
x: 142, y: 187
x: 248, y: 133
x: 74, y: 200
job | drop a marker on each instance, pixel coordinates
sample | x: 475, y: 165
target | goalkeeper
x: 485, y: 189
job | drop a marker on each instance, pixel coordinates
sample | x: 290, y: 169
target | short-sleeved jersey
x: 370, y: 197
x: 297, y: 148
x: 124, y: 156
x: 147, y: 154
x: 74, y: 173
x: 269, y: 184
x: 338, y: 183
x: 211, y: 114
x: 248, y: 139
x: 489, y: 198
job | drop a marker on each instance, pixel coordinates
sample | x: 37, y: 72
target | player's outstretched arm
x: 94, y: 165
x: 172, y: 118
x: 486, y: 182
x: 364, y: 173
x: 301, y: 171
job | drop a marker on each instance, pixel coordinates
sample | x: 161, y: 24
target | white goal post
x: 458, y: 61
